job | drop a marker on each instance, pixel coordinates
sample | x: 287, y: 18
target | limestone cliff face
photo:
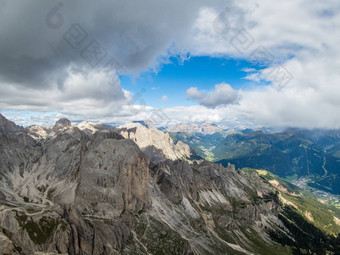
x: 155, y: 143
x: 113, y: 177
x: 59, y: 186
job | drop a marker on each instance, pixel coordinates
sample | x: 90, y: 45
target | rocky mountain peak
x: 62, y: 124
x: 157, y: 144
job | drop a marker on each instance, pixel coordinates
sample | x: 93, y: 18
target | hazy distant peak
x: 209, y: 124
x: 204, y: 128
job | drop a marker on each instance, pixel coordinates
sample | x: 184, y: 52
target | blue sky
x: 175, y: 78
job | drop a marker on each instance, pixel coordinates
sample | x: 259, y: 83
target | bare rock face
x: 113, y: 178
x: 19, y: 153
x: 150, y: 139
x: 38, y: 133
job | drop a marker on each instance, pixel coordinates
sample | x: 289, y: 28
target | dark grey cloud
x: 33, y: 50
x: 46, y: 50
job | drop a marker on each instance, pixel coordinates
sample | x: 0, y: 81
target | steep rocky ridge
x: 157, y: 144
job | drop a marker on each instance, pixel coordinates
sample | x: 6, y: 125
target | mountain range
x: 291, y: 154
x: 94, y: 189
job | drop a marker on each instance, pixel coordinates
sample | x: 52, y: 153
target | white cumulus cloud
x: 223, y: 94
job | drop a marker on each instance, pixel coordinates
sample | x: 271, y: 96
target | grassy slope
x: 323, y: 215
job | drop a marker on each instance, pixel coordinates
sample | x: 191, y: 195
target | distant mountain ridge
x: 156, y: 144
x: 329, y: 140
x: 295, y: 152
x: 205, y: 128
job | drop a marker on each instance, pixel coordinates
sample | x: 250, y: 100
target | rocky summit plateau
x: 95, y: 189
